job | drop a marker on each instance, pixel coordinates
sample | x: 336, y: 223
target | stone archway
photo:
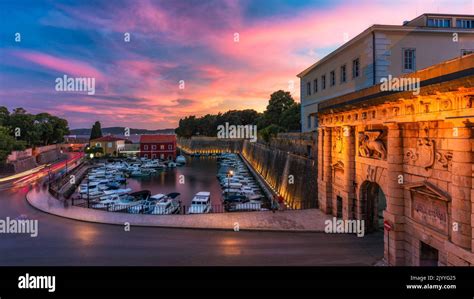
x: 373, y: 203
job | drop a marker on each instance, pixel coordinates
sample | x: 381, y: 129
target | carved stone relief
x: 371, y: 146
x: 423, y: 155
x: 444, y: 158
x: 338, y: 142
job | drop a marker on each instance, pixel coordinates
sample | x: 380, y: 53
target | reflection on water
x: 199, y: 174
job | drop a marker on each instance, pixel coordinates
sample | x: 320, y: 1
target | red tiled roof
x: 107, y: 138
x: 157, y: 138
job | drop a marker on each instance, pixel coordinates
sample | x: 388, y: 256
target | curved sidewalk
x: 311, y: 220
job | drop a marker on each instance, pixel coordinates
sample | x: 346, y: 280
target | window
x: 445, y: 23
x: 465, y: 24
x: 162, y: 156
x: 308, y: 88
x: 408, y: 59
x: 309, y: 121
x: 355, y: 68
x: 315, y: 85
x: 323, y: 82
x: 109, y: 144
x: 170, y: 146
x: 153, y: 156
x: 466, y: 51
x: 153, y: 147
x: 162, y: 147
x: 343, y: 73
x: 145, y: 155
x: 332, y: 75
x: 145, y: 147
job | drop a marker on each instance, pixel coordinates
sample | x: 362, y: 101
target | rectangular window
x: 153, y: 147
x: 444, y: 23
x: 170, y: 146
x: 408, y: 59
x: 355, y: 68
x: 332, y: 75
x: 145, y: 147
x: 109, y: 144
x: 315, y: 85
x: 309, y: 121
x: 308, y: 88
x: 323, y: 82
x: 343, y: 73
x: 162, y: 147
x: 469, y: 24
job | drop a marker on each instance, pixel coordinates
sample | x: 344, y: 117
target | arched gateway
x: 373, y: 203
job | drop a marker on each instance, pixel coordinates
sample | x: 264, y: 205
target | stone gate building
x: 405, y: 159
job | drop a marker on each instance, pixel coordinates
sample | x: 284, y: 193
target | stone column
x: 325, y: 170
x: 461, y: 184
x: 348, y: 148
x: 394, y: 194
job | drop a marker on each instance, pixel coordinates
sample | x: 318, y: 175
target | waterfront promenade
x: 310, y: 220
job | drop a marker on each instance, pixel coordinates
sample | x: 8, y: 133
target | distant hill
x: 121, y: 131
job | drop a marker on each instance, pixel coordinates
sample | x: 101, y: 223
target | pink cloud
x: 63, y: 65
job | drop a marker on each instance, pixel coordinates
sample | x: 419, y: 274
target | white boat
x: 139, y: 173
x: 164, y: 207
x: 201, y: 203
x: 153, y: 164
x: 158, y: 196
x: 118, y: 191
x: 126, y: 202
x: 92, y: 194
x: 180, y: 159
x: 171, y: 164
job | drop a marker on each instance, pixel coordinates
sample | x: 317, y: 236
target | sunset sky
x: 137, y: 83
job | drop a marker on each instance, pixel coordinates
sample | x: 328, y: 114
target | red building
x: 158, y: 147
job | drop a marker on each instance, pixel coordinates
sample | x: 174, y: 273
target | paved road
x: 68, y: 242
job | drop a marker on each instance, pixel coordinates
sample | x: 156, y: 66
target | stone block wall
x: 291, y: 176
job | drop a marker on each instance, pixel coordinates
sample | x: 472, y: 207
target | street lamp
x: 230, y: 173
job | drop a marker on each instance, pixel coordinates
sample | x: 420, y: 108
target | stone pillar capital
x: 392, y: 125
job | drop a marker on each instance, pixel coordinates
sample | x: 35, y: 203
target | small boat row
x: 241, y: 191
x: 141, y: 202
x: 101, y: 182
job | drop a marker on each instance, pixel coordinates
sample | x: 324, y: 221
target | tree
x: 8, y: 144
x: 270, y: 131
x: 280, y: 101
x: 96, y: 131
x: 4, y: 116
x: 291, y: 118
x: 23, y: 123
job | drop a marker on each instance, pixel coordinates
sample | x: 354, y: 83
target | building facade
x: 110, y: 145
x: 158, y: 146
x: 382, y: 51
x: 403, y: 162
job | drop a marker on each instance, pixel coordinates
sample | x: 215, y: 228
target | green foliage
x: 96, y: 131
x: 8, y: 144
x: 282, y: 115
x: 270, y: 131
x: 207, y: 125
x: 34, y: 130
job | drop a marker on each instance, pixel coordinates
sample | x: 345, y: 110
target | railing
x: 140, y: 208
